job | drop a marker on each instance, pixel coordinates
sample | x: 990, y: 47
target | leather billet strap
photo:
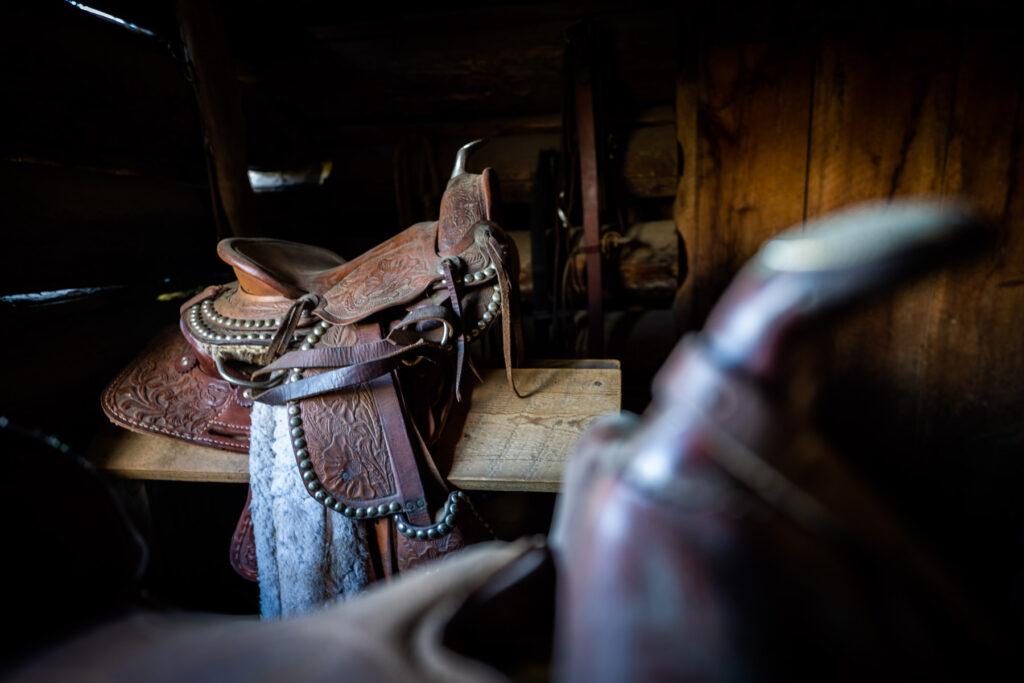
x: 590, y: 189
x: 331, y: 381
x: 341, y: 356
x: 351, y: 365
x: 460, y: 343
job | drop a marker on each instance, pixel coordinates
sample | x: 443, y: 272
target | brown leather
x: 591, y: 194
x: 243, y: 545
x: 396, y: 632
x: 164, y: 391
x: 466, y: 201
x: 689, y: 543
x: 270, y: 267
x: 234, y: 302
x: 373, y: 323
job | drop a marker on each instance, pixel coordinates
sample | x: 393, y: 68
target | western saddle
x: 367, y: 357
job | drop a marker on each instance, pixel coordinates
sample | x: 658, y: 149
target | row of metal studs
x: 479, y: 276
x: 469, y: 278
x: 210, y: 313
x: 314, y: 486
x: 200, y: 328
x: 493, y: 306
x: 447, y: 523
x: 491, y: 314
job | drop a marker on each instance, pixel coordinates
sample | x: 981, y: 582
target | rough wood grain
x: 684, y: 210
x: 751, y: 158
x: 508, y: 444
x: 220, y: 107
x: 976, y: 347
x: 880, y: 129
x: 924, y: 392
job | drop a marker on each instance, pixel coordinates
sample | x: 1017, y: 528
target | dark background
x: 735, y: 122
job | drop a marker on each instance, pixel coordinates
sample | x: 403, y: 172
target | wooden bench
x: 507, y: 444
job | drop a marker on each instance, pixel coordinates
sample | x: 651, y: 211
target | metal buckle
x: 447, y: 332
x: 274, y: 379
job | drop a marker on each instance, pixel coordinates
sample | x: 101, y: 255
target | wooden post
x: 220, y: 109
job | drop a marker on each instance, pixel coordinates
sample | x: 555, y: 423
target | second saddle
x: 366, y: 356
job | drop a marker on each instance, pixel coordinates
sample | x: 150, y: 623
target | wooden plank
x: 220, y: 108
x: 880, y: 130
x: 925, y: 385
x: 751, y: 160
x: 975, y: 362
x: 684, y: 210
x: 507, y: 444
x: 135, y: 455
x: 511, y: 444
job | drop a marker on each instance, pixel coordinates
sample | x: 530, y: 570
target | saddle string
x: 428, y: 455
x: 491, y: 247
x: 283, y: 336
x: 460, y: 337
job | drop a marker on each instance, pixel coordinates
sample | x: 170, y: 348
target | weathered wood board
x: 744, y: 111
x: 507, y: 444
x: 776, y: 133
x: 511, y: 444
x: 922, y: 387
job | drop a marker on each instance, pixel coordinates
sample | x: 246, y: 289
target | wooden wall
x: 779, y: 126
x: 781, y: 114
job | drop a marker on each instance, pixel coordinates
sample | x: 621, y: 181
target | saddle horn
x: 460, y: 157
x: 688, y: 520
x: 801, y: 276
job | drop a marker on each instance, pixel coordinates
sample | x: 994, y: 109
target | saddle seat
x: 272, y: 267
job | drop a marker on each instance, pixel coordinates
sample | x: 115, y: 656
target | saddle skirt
x: 367, y: 357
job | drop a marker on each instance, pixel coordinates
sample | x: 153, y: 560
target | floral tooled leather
x: 392, y: 274
x: 154, y: 394
x: 410, y: 553
x: 347, y: 445
x: 344, y: 437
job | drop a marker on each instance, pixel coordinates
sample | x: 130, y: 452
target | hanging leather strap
x: 341, y: 356
x: 511, y: 332
x: 586, y: 135
x: 460, y: 336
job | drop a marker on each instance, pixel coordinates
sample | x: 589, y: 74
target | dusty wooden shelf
x: 507, y: 443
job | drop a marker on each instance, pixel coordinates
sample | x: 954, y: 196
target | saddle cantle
x: 365, y: 355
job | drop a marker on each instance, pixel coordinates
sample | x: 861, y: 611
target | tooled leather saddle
x: 366, y: 355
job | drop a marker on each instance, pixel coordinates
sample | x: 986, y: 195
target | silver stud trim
x: 197, y: 317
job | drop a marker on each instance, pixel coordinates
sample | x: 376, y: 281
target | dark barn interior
x: 646, y: 152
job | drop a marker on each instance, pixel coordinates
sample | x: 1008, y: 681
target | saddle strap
x: 511, y: 331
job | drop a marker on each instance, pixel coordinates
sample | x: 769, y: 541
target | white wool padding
x: 307, y: 555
